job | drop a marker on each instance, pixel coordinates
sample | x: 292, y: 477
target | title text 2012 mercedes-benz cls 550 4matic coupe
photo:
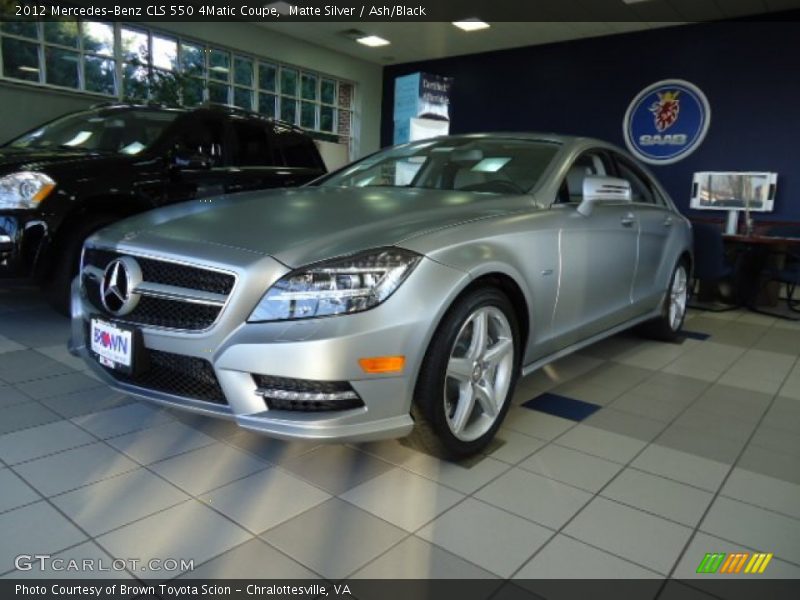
x: 407, y: 291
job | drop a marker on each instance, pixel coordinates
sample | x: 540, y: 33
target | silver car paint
x: 582, y: 278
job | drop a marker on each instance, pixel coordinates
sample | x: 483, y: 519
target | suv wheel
x: 65, y: 258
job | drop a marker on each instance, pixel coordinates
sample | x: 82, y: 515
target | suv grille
x: 156, y: 311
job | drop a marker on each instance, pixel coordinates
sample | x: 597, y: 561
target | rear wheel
x: 668, y: 326
x: 65, y: 258
x: 468, y: 376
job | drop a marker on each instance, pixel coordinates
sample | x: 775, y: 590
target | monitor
x: 734, y: 191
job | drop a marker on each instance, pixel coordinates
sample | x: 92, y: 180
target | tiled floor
x: 694, y: 449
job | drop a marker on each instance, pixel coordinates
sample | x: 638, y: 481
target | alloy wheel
x: 479, y: 373
x: 678, y: 295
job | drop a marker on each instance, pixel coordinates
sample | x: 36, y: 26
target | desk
x: 761, y: 240
x: 752, y: 253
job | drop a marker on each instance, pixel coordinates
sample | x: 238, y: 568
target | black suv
x: 64, y: 180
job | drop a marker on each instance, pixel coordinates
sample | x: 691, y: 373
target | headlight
x: 339, y: 286
x: 24, y: 189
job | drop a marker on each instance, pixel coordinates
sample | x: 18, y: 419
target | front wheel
x: 668, y: 326
x: 468, y: 376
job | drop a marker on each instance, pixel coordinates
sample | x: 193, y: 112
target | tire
x: 667, y: 327
x: 65, y: 259
x: 459, y: 372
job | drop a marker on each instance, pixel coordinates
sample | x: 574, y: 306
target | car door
x: 597, y: 257
x: 255, y: 164
x: 259, y: 158
x: 656, y: 221
x: 198, y: 167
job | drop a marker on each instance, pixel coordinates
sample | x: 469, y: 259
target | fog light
x: 382, y: 364
x: 281, y: 393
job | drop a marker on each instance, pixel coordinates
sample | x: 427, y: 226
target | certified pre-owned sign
x: 666, y: 121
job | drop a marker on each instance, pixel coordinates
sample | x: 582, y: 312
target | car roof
x: 570, y: 142
x: 222, y: 109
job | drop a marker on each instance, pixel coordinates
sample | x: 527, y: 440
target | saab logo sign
x: 666, y: 122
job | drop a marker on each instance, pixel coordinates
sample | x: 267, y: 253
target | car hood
x: 303, y: 225
x: 16, y: 159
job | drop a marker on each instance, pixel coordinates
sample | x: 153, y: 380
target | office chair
x: 788, y: 273
x: 710, y: 268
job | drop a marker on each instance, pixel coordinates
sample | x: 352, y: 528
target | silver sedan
x: 403, y: 294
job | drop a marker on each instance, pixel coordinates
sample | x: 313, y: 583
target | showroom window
x: 131, y: 63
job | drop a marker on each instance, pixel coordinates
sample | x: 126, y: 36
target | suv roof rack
x: 244, y: 112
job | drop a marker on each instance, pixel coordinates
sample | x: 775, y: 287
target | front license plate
x: 112, y: 345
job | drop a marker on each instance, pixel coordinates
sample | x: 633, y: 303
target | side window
x: 252, y: 147
x: 641, y: 189
x: 589, y: 163
x: 203, y: 137
x: 298, y: 150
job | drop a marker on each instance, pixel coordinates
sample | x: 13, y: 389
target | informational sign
x: 666, y: 121
x: 421, y: 97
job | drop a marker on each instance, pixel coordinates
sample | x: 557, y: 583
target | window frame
x: 630, y: 164
x: 343, y: 124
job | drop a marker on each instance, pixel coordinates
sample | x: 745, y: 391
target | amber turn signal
x: 382, y: 364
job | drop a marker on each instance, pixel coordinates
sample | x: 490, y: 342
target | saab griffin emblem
x: 666, y: 121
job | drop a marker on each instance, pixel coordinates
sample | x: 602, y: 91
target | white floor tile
x: 566, y: 558
x: 534, y: 497
x: 490, y: 538
x: 40, y: 441
x: 571, y: 466
x: 650, y: 541
x: 663, y: 497
x: 754, y: 527
x: 188, y: 531
x: 264, y: 499
x: 402, y: 498
x: 681, y: 466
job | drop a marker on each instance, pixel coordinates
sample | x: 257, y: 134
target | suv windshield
x: 119, y: 131
x: 489, y: 165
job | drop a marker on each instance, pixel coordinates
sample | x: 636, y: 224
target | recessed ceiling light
x: 471, y: 24
x: 281, y: 7
x: 373, y: 41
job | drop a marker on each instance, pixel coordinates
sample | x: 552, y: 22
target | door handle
x: 668, y: 222
x: 628, y: 220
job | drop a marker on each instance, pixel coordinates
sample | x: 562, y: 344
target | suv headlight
x: 24, y: 189
x: 339, y: 286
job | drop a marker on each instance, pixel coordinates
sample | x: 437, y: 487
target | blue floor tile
x: 561, y: 406
x: 695, y: 335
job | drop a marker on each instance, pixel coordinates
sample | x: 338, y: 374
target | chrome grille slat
x: 180, y: 294
x: 176, y: 296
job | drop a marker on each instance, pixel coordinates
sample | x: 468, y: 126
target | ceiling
x: 414, y: 41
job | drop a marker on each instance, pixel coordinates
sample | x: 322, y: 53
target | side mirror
x: 185, y: 160
x: 599, y: 188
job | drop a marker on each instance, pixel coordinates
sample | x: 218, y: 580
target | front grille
x: 168, y: 273
x: 282, y: 393
x: 160, y: 312
x: 185, y: 376
x: 156, y: 311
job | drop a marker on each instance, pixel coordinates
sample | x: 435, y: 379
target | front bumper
x: 21, y: 236
x: 316, y: 350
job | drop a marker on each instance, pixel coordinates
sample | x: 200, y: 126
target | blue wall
x: 750, y: 72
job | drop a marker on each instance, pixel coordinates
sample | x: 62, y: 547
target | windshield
x: 489, y: 165
x: 119, y: 131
